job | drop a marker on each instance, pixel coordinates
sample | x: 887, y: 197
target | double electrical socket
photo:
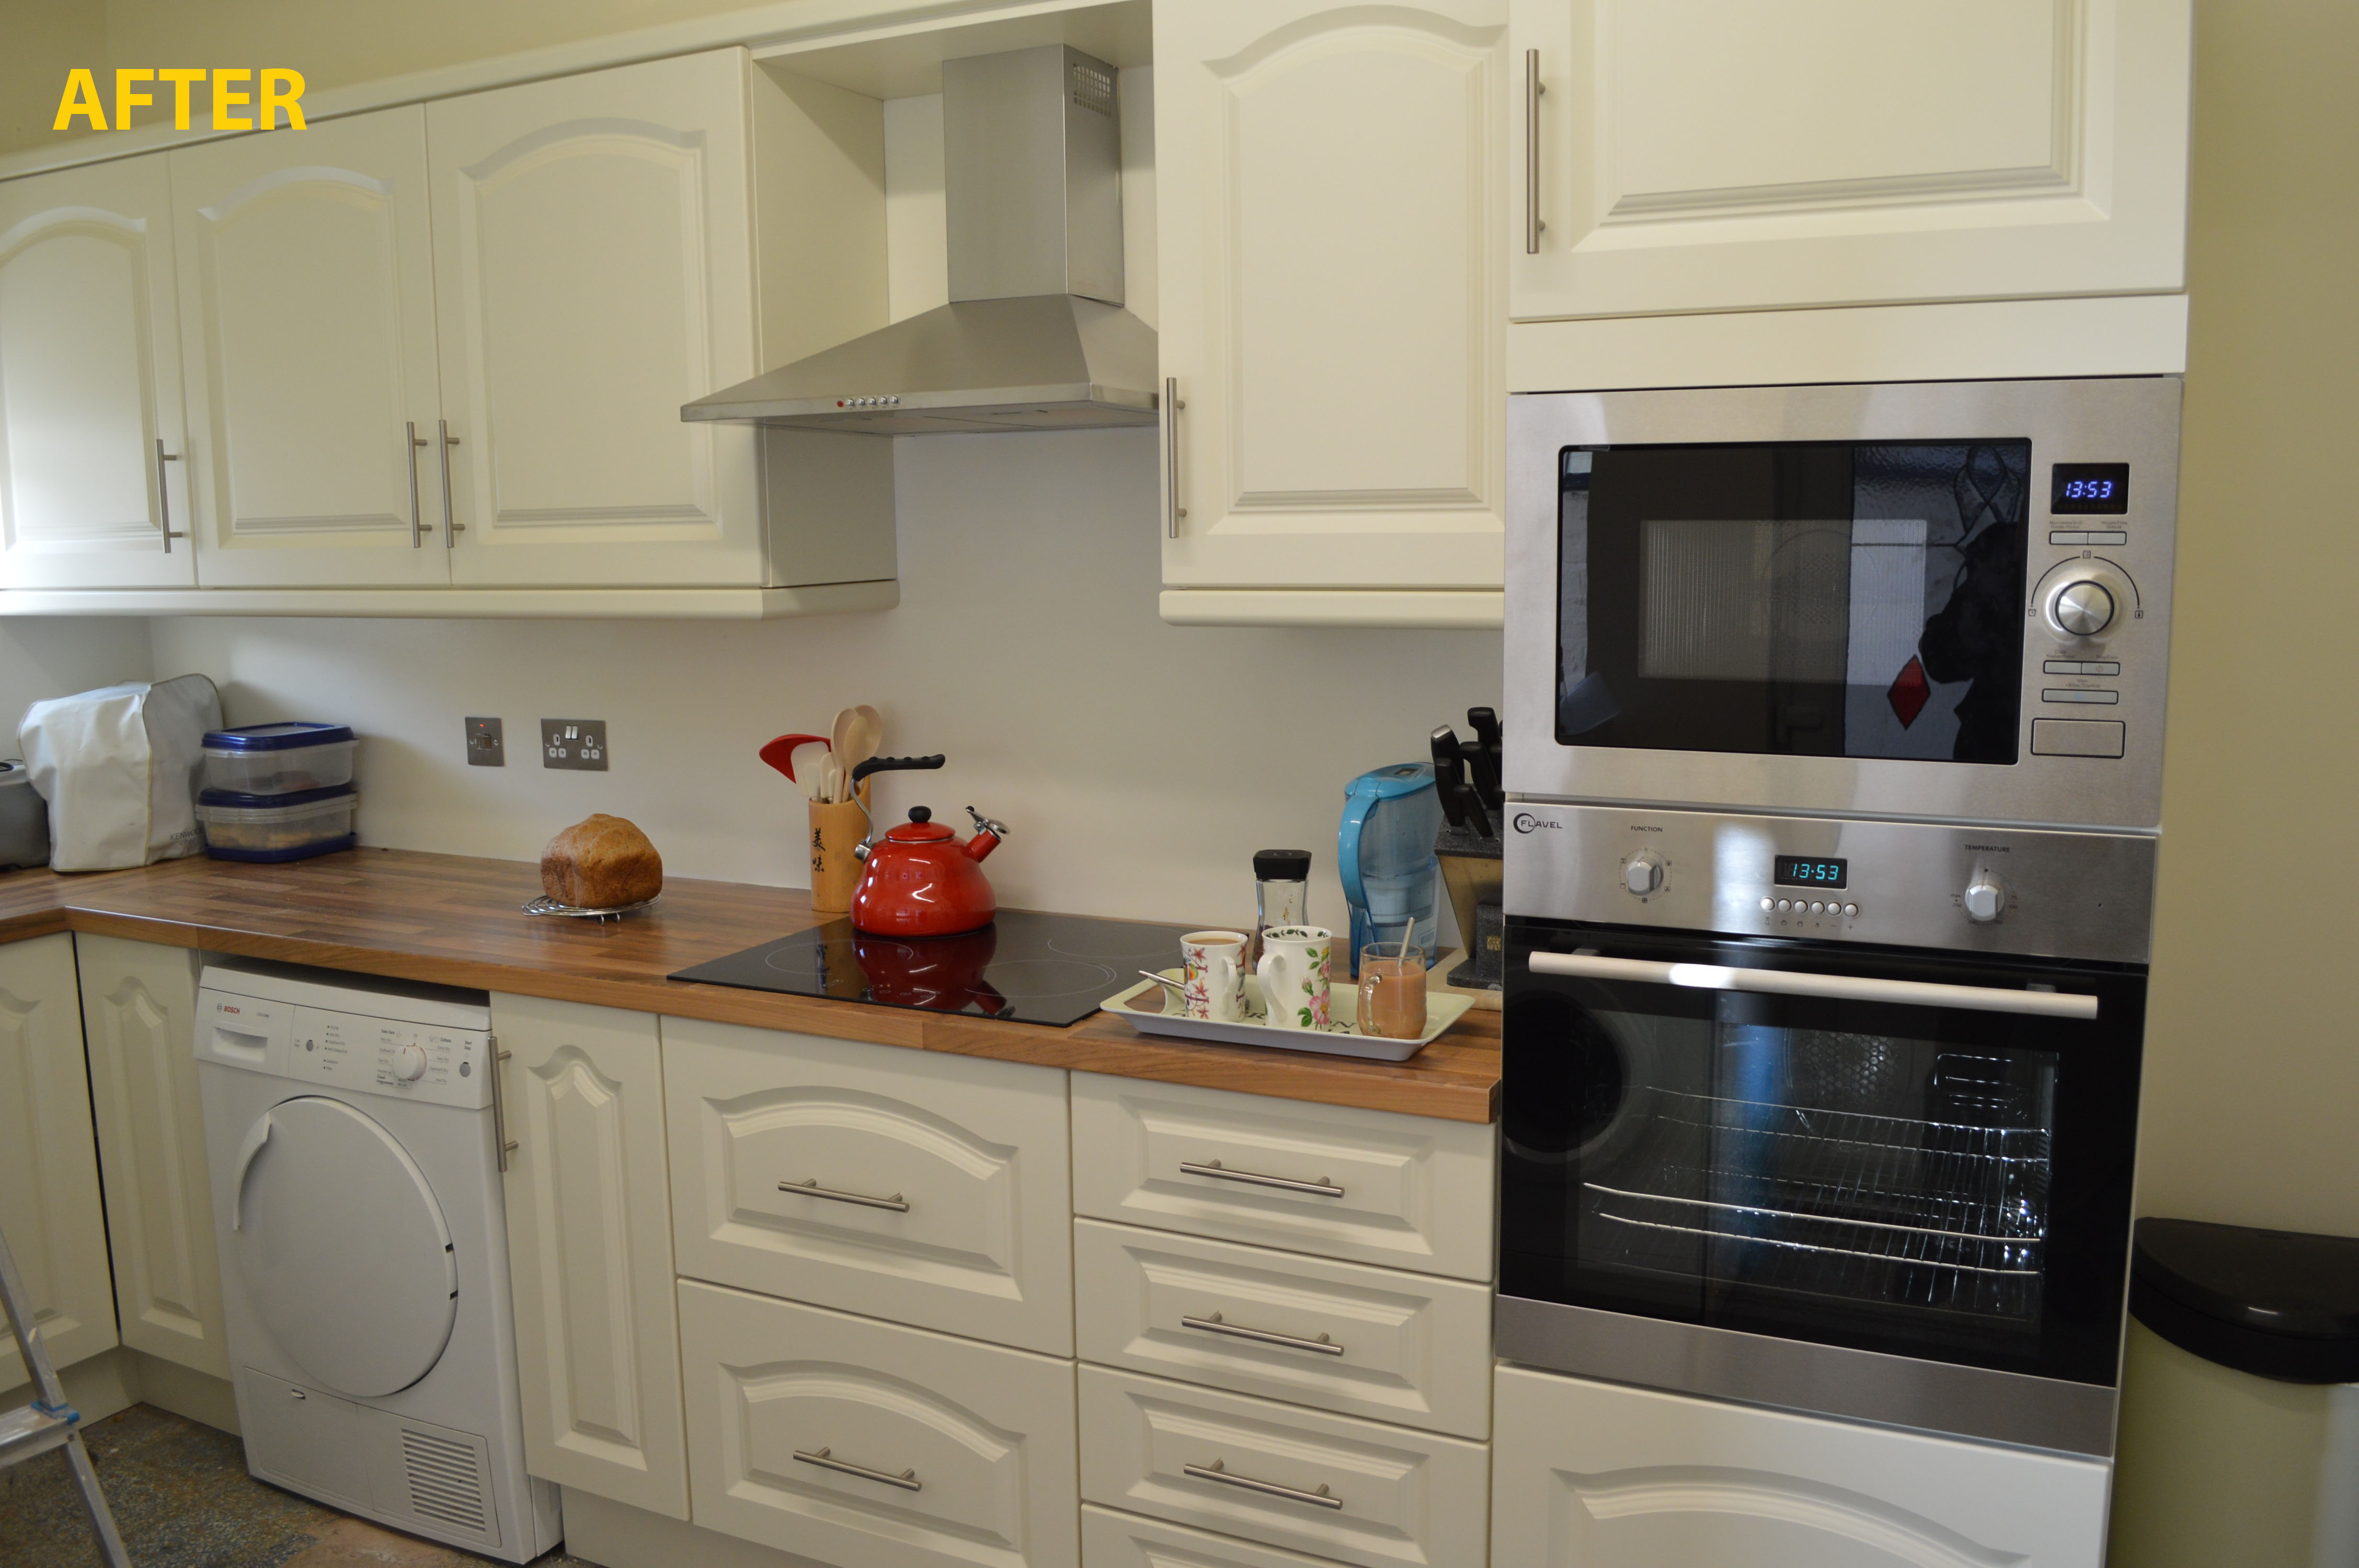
x: 574, y: 743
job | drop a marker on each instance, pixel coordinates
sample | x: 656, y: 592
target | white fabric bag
x: 120, y: 768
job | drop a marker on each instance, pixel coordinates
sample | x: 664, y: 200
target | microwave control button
x: 1643, y: 873
x: 1986, y: 898
x: 1851, y: 909
x: 1767, y: 904
x: 1784, y: 904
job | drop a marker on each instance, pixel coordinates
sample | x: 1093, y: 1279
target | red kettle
x: 921, y: 879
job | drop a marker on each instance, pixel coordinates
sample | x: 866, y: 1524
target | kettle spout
x: 988, y: 835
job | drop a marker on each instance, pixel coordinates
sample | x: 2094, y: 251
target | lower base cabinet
x: 865, y: 1445
x: 1302, y: 1480
x: 1111, y: 1540
x: 1599, y: 1475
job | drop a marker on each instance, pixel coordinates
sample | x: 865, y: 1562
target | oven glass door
x: 1936, y: 1182
x: 1806, y: 598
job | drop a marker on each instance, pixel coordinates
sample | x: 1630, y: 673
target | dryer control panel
x: 443, y: 1063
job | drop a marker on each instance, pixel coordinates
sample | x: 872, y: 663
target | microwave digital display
x: 1812, y: 871
x: 2089, y: 489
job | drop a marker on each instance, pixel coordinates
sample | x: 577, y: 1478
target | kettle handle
x: 1347, y: 844
x: 893, y: 765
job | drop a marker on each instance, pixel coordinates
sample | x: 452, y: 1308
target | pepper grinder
x: 1281, y: 893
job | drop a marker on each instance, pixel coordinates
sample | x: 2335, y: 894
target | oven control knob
x: 1643, y: 873
x: 409, y: 1064
x: 1986, y: 898
x: 2086, y: 600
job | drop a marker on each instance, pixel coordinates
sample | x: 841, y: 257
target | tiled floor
x: 182, y: 1498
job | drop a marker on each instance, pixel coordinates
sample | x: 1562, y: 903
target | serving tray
x: 1342, y: 1038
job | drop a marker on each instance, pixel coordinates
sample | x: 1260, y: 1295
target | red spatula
x: 781, y: 753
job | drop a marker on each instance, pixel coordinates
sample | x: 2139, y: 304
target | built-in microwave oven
x: 1945, y: 600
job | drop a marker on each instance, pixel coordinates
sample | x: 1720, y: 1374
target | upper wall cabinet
x: 306, y: 310
x: 1331, y: 207
x: 1724, y: 154
x: 93, y: 487
x: 595, y: 244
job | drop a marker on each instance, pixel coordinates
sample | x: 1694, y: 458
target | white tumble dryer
x: 350, y: 1132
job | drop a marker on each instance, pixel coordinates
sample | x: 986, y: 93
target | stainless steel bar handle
x: 1214, y: 1168
x: 907, y: 1480
x: 417, y: 524
x: 1213, y: 1324
x: 507, y: 1145
x: 812, y: 1189
x: 1218, y: 1470
x: 1533, y: 88
x: 1836, y: 988
x: 164, y: 496
x: 1171, y: 406
x: 450, y: 529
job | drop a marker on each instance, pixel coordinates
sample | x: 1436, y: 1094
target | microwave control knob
x: 1986, y: 898
x: 2087, y: 601
x: 1643, y: 873
x: 409, y: 1064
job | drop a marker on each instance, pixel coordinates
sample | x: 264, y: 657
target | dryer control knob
x: 1986, y: 898
x: 1643, y: 873
x: 409, y: 1064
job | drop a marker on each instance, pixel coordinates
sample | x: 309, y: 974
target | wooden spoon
x: 838, y: 735
x: 861, y: 742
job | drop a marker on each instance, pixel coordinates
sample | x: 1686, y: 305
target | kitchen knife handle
x: 894, y: 764
x: 1486, y: 756
x: 1449, y: 775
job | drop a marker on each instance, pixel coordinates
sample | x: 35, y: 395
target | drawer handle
x: 1218, y: 1471
x: 812, y: 1189
x: 1213, y: 1324
x: 907, y: 1480
x: 1322, y: 1186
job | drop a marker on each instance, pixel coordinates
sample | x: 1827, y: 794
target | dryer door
x: 341, y: 1247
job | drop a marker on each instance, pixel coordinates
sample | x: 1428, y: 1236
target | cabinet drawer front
x: 1111, y: 1540
x: 961, y: 1163
x: 1414, y: 1193
x: 935, y: 1450
x: 1594, y: 1473
x: 1253, y: 1469
x: 1342, y: 1336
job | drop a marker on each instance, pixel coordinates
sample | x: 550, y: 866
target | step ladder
x: 48, y: 1422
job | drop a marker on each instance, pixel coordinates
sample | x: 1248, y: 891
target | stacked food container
x: 278, y: 792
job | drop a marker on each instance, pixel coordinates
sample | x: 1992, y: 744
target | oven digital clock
x: 1812, y: 871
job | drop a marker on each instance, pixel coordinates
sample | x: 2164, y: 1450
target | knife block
x: 1472, y: 871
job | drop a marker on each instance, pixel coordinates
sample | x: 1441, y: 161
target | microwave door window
x: 1814, y: 599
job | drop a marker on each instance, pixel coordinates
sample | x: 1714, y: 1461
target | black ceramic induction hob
x: 1032, y: 968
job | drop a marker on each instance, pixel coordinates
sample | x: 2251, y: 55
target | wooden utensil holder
x: 835, y: 829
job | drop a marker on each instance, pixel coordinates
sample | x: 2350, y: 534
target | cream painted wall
x: 1138, y: 765
x: 41, y: 658
x: 2252, y: 1102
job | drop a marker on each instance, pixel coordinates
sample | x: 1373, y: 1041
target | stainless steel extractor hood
x: 1035, y: 336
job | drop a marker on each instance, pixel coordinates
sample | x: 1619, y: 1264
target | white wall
x: 1138, y: 765
x: 41, y: 658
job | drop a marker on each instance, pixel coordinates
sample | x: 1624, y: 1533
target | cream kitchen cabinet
x: 1331, y: 289
x: 1719, y: 155
x: 94, y: 485
x: 924, y: 1189
x: 307, y: 313
x: 49, y: 1204
x: 1601, y: 1476
x: 596, y: 267
x: 590, y: 1250
x: 138, y: 1008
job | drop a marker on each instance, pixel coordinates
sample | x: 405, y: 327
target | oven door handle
x: 1837, y: 988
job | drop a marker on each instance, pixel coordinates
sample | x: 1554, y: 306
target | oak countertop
x: 454, y: 920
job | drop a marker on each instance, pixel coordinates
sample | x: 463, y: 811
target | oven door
x: 1870, y: 1182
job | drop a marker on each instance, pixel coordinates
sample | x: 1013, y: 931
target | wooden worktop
x: 456, y: 921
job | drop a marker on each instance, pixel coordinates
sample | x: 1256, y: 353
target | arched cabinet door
x: 93, y: 454
x: 1332, y: 288
x: 307, y: 306
x: 593, y: 273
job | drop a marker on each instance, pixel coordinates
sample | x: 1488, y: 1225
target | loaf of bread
x: 599, y: 863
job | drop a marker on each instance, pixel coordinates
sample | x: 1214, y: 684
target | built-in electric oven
x: 1943, y: 601
x: 1833, y: 1115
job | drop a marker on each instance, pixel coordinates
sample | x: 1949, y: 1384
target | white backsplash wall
x: 41, y: 658
x: 1137, y: 765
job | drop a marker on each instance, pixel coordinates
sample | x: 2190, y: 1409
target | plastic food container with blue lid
x: 278, y: 759
x: 242, y: 826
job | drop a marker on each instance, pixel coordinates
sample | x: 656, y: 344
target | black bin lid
x: 2277, y: 1304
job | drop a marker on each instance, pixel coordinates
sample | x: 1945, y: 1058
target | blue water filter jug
x: 1391, y: 816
